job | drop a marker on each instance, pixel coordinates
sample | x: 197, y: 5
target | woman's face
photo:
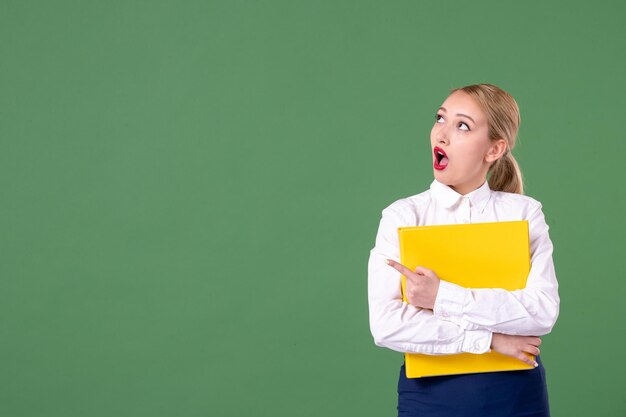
x: 462, y: 150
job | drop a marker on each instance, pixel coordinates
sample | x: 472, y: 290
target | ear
x: 497, y: 149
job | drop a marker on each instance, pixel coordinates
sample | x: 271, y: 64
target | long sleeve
x: 530, y: 311
x: 400, y: 326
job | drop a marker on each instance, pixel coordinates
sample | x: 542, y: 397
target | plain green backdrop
x: 189, y: 191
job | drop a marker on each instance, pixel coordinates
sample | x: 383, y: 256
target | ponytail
x: 506, y: 175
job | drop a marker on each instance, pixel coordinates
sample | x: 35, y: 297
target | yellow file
x: 479, y: 255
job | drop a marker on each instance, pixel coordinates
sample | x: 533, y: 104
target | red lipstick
x: 441, y: 159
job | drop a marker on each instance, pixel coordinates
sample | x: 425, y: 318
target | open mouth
x: 441, y: 158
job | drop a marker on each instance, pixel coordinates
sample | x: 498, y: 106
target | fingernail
x: 536, y: 364
x: 387, y: 261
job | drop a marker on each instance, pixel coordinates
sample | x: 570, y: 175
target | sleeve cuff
x: 450, y: 301
x: 477, y: 341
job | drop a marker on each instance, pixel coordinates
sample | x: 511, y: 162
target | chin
x: 441, y: 177
x: 445, y: 181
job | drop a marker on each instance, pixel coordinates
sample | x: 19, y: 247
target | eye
x: 439, y: 118
x: 463, y: 126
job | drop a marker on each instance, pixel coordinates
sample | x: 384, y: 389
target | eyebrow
x: 459, y: 114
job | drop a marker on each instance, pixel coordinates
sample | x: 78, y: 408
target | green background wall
x: 189, y: 191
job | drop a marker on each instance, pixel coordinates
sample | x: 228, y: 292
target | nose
x: 441, y: 135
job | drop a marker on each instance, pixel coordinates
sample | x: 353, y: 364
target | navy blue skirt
x: 491, y: 394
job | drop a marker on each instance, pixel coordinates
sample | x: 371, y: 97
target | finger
x: 532, y: 350
x: 413, y: 279
x: 524, y: 358
x: 423, y: 270
x: 533, y: 340
x: 400, y: 268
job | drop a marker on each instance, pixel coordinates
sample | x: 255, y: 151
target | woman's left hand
x: 422, y: 284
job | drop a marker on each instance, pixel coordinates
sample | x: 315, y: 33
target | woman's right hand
x: 516, y: 346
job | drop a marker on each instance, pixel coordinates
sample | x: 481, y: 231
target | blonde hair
x: 504, y: 120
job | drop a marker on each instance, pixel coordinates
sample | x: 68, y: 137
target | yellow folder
x: 478, y: 255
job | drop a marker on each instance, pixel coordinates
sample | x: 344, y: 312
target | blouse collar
x: 447, y: 197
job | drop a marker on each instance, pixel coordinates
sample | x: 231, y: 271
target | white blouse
x: 462, y: 320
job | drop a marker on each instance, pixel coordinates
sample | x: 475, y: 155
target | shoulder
x: 523, y: 205
x: 408, y: 209
x: 511, y: 199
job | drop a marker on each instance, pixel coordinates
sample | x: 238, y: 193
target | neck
x: 465, y: 189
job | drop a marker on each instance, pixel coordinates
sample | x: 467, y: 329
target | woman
x: 474, y: 132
